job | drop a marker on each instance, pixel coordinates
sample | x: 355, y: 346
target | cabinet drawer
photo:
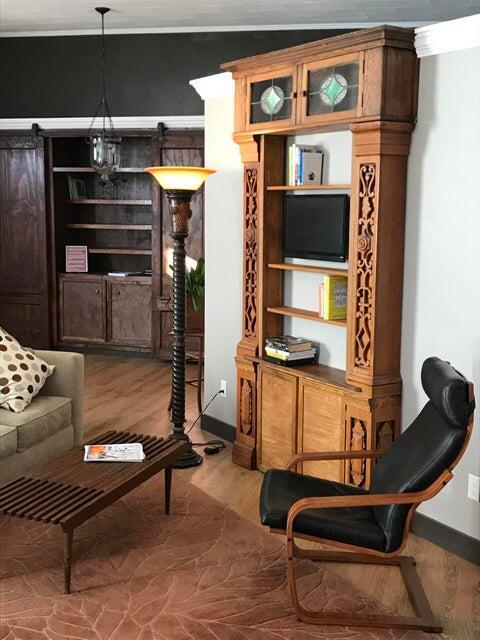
x: 82, y: 309
x: 277, y: 418
x: 321, y: 418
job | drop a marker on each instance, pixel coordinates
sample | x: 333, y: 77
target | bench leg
x: 67, y: 561
x: 168, y: 487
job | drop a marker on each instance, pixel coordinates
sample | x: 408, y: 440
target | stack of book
x: 332, y: 298
x: 305, y: 164
x: 289, y: 351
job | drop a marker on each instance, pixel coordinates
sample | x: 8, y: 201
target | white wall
x: 223, y: 253
x: 441, y: 305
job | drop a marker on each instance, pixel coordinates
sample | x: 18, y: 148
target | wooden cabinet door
x: 271, y: 99
x: 321, y: 419
x: 129, y: 313
x: 331, y: 90
x: 24, y: 308
x: 82, y: 309
x: 277, y: 404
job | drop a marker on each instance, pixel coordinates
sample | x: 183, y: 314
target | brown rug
x: 202, y: 573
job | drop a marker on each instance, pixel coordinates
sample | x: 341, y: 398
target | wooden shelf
x: 129, y: 227
x: 308, y: 187
x: 308, y: 269
x: 91, y: 170
x: 321, y: 372
x: 132, y: 252
x: 305, y: 314
x: 107, y: 201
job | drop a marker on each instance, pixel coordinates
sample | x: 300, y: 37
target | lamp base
x: 189, y: 459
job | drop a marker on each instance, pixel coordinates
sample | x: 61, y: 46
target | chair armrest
x: 366, y: 500
x: 333, y: 455
x: 67, y: 382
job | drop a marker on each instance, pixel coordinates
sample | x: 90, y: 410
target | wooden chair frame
x: 424, y: 619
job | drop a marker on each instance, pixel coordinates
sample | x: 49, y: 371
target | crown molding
x: 137, y: 122
x: 217, y: 85
x: 208, y: 29
x: 446, y: 37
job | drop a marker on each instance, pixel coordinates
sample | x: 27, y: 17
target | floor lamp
x: 180, y: 184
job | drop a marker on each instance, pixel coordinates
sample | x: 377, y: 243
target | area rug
x: 202, y: 573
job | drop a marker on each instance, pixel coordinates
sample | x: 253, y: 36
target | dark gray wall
x: 147, y: 74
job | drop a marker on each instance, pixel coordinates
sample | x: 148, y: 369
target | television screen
x: 316, y: 227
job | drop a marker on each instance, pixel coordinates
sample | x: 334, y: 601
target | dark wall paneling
x: 147, y: 74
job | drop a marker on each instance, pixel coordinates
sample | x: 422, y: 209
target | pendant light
x: 104, y: 144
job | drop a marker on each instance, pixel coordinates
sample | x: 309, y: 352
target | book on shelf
x: 305, y: 164
x: 128, y: 452
x: 333, y: 298
x: 288, y: 343
x: 124, y: 274
x: 286, y: 355
x: 289, y: 363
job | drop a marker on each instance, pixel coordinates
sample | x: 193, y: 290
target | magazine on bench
x: 129, y: 452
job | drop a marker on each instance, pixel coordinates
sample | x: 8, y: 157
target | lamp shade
x: 186, y: 178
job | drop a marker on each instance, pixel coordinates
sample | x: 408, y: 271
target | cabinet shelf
x: 91, y: 170
x: 305, y: 314
x: 133, y: 252
x: 107, y: 201
x: 308, y: 187
x: 327, y: 271
x: 129, y: 227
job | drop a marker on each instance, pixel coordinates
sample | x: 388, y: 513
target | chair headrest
x: 447, y: 389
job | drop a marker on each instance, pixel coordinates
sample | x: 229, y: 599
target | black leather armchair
x: 374, y: 524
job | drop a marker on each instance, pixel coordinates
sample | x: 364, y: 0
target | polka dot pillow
x: 22, y: 374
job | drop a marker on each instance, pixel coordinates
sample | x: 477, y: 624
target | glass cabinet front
x: 271, y: 99
x: 331, y: 89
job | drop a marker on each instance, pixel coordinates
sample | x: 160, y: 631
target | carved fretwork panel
x: 250, y: 253
x: 358, y: 440
x: 365, y: 263
x: 384, y: 434
x: 246, y: 407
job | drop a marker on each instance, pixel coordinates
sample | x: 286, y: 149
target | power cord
x: 212, y: 446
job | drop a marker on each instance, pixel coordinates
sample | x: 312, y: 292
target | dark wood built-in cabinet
x: 125, y: 227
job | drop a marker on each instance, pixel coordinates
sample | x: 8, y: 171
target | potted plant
x: 195, y: 280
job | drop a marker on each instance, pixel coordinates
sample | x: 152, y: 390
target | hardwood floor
x: 133, y: 393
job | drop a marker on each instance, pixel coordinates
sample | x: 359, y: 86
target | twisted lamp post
x: 179, y: 184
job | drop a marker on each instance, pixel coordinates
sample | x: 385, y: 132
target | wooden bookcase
x: 281, y: 411
x: 125, y: 229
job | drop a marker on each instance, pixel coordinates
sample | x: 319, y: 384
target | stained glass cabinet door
x: 271, y: 99
x: 331, y: 89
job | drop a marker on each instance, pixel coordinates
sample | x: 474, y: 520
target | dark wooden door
x: 82, y: 309
x: 175, y: 148
x: 23, y: 245
x: 129, y: 312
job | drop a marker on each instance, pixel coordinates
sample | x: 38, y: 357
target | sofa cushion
x: 22, y: 374
x: 8, y: 440
x: 40, y: 420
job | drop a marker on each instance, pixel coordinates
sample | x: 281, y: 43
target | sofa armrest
x: 66, y: 381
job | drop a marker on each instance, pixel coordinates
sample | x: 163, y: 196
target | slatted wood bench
x: 69, y: 491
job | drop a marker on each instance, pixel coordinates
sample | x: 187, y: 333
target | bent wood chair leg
x: 425, y: 620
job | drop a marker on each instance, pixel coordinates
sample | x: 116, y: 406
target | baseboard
x: 218, y: 427
x: 446, y: 537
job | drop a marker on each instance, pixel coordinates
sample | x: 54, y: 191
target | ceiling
x: 60, y: 17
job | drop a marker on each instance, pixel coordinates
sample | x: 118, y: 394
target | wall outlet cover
x: 223, y: 388
x: 473, y: 491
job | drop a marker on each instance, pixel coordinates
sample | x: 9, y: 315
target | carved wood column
x: 244, y: 446
x: 377, y: 214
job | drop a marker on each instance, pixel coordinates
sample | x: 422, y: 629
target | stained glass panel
x: 271, y: 99
x: 332, y: 89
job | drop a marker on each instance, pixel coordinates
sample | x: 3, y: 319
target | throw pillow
x: 22, y: 374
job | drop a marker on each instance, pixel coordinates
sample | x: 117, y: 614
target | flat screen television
x: 316, y: 227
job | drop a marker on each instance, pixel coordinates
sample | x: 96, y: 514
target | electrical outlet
x: 473, y: 491
x: 223, y: 388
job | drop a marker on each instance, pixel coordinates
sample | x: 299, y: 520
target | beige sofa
x: 50, y: 425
